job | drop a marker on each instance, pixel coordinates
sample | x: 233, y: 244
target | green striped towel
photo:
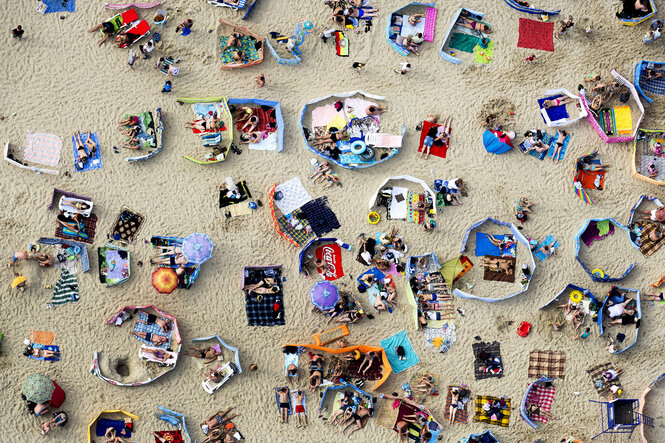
x: 66, y: 288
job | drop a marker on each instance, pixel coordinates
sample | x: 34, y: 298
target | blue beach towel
x: 59, y: 6
x: 277, y: 400
x: 550, y: 153
x: 547, y: 140
x: 555, y: 112
x: 94, y: 162
x: 46, y: 348
x: 400, y: 339
x: 119, y: 425
x: 549, y: 240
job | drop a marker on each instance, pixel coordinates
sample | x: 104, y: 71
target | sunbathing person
x: 211, y: 353
x: 433, y: 297
x: 315, y: 371
x: 426, y: 384
x: 499, y: 264
x: 238, y: 56
x: 659, y: 296
x: 163, y: 323
x: 653, y: 75
x: 349, y: 317
x: 267, y: 285
x: 82, y: 154
x: 169, y: 250
x: 415, y: 19
x: 320, y: 171
x: 507, y: 243
x: 252, y: 137
x: 357, y: 418
x: 73, y: 224
x: 171, y: 260
x: 299, y: 410
x: 458, y: 399
x: 233, y: 41
x: 370, y: 359
x: 111, y: 436
x: 657, y: 215
x: 375, y: 110
x: 345, y: 403
x: 153, y: 338
x: 547, y: 250
x: 616, y: 310
x: 291, y: 372
x: 107, y: 30
x: 217, y: 420
x: 126, y: 39
x: 40, y: 353
x: 158, y: 354
x: 331, y: 137
x: 559, y: 145
x: 366, y: 13
x: 209, y: 124
x: 474, y: 25
x: 583, y: 165
x: 557, y: 102
x: 534, y: 409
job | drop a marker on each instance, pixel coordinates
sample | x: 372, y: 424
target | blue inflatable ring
x: 358, y: 147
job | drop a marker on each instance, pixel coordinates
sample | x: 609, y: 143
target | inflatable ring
x: 576, y: 296
x: 33, y: 247
x: 358, y: 147
x: 598, y: 273
x: 373, y: 218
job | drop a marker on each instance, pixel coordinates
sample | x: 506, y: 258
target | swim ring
x: 33, y: 247
x: 576, y: 296
x: 373, y: 218
x: 598, y: 273
x: 358, y: 147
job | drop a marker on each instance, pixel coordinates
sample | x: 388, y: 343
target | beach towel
x: 542, y: 396
x: 341, y: 44
x: 549, y: 241
x: 588, y: 178
x: 66, y: 289
x: 327, y: 116
x: 277, y: 400
x: 555, y: 113
x: 463, y: 42
x: 648, y: 247
x: 352, y: 371
x: 152, y: 329
x: 290, y: 358
x: 293, y: 194
x: 247, y: 45
x: 483, y: 352
x: 59, y: 6
x: 300, y: 236
x: 132, y: 5
x: 484, y: 55
x: 408, y: 29
x: 599, y: 382
x: 440, y: 335
x: 623, y: 119
x: 127, y: 226
x: 462, y: 415
x: 169, y: 436
x: 95, y: 161
x: 484, y: 245
x: 592, y: 232
x: 416, y: 216
x: 398, y: 208
x: 264, y: 309
x: 536, y: 35
x: 146, y: 354
x: 320, y: 217
x: 552, y: 145
x: 387, y: 414
x: 119, y: 425
x: 400, y: 339
x: 550, y: 364
x: 492, y: 274
x: 498, y: 419
x: 42, y: 337
x: 46, y: 348
x: 89, y: 228
x: 41, y: 148
x: 437, y: 150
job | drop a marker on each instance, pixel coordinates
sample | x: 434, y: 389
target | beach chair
x: 138, y: 28
x: 380, y: 140
x: 123, y: 19
x: 227, y: 370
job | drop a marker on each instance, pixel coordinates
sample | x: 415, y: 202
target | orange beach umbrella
x: 165, y: 280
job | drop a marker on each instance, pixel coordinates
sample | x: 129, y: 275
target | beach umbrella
x: 497, y: 142
x: 38, y: 388
x: 165, y: 280
x: 197, y: 248
x: 324, y: 295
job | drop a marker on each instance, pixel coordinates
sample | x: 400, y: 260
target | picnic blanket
x: 439, y: 148
x: 463, y: 42
x: 170, y: 436
x: 599, y: 382
x: 89, y: 227
x: 491, y: 274
x: 593, y: 231
x: 264, y: 309
x: 536, y: 35
x: 550, y: 364
x: 542, y: 396
x: 320, y: 217
x: 94, y: 161
x: 247, y: 45
x: 127, y: 225
x: 501, y: 418
x: 400, y: 339
x: 300, y: 236
x: 152, y: 329
x: 482, y: 352
x: 647, y: 246
x: 484, y: 55
x: 549, y: 241
x: 66, y: 289
x: 293, y: 194
x: 353, y: 372
x: 440, y: 335
x: 42, y: 148
x: 59, y: 6
x: 462, y: 415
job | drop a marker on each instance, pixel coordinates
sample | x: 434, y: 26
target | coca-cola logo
x: 331, y: 255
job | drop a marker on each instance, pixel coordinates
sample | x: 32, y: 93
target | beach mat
x: 496, y: 275
x: 90, y: 226
x: 648, y: 247
x: 127, y: 225
x: 388, y: 414
x: 550, y: 364
x: 542, y: 396
x: 264, y: 309
x: 329, y: 336
x: 463, y: 42
x: 94, y: 162
x: 493, y: 349
x: 277, y: 400
x: 59, y: 6
x: 482, y: 417
x: 484, y: 55
x: 154, y: 329
x: 564, y: 148
x: 170, y: 436
x: 536, y: 35
x: 462, y: 415
x: 54, y: 348
x: 601, y: 385
x: 435, y: 150
x: 42, y: 337
x: 400, y: 339
x: 549, y: 241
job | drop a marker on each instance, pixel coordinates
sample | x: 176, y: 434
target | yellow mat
x: 623, y: 119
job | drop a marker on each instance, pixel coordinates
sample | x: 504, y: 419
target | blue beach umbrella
x: 197, y: 248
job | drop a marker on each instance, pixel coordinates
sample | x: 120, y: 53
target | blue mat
x: 555, y: 112
x: 378, y: 275
x: 485, y: 247
x: 93, y: 162
x: 400, y: 339
x: 119, y: 425
x: 47, y: 348
x: 549, y: 240
x: 566, y: 140
x: 547, y: 140
x: 154, y: 330
x: 57, y: 6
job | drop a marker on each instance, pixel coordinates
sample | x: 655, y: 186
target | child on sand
x: 405, y: 67
x: 18, y: 32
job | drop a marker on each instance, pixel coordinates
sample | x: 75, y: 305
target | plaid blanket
x: 542, y: 396
x: 350, y: 370
x: 127, y: 225
x: 300, y: 236
x: 602, y: 386
x: 66, y: 289
x: 152, y: 329
x: 462, y: 415
x: 648, y: 247
x: 481, y: 352
x: 89, y: 224
x: 551, y: 364
x: 42, y: 148
x: 264, y: 309
x: 497, y: 418
x: 320, y: 217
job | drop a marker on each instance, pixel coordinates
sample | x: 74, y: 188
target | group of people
x: 219, y: 428
x: 433, y: 297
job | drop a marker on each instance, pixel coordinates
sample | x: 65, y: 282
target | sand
x: 58, y: 80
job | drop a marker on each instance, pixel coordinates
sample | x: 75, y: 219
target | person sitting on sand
x: 210, y: 353
x: 415, y: 19
x: 375, y: 110
x: 165, y: 324
x: 301, y: 416
x: 474, y: 25
x: 559, y: 145
x: 331, y: 137
x: 370, y: 359
x: 107, y: 30
x: 150, y: 337
x: 59, y: 420
x: 252, y: 137
x: 315, y: 371
x: 40, y: 353
x: 233, y: 41
x: 557, y: 102
x: 171, y: 260
x: 410, y: 45
x: 216, y: 420
x: 534, y: 409
x: 357, y: 418
x: 426, y: 384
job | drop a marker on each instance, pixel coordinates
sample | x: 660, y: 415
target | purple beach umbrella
x: 324, y: 295
x: 197, y: 248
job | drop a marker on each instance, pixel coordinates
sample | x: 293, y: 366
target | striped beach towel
x: 42, y: 148
x: 66, y: 288
x: 415, y: 216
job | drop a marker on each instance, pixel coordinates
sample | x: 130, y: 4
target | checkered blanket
x: 42, y: 148
x: 550, y: 364
x: 265, y: 309
x: 300, y: 236
x: 542, y: 396
x: 462, y: 415
x: 154, y: 330
x: 602, y: 386
x: 89, y: 224
x: 648, y: 247
x: 320, y: 217
x: 501, y: 419
x: 492, y: 349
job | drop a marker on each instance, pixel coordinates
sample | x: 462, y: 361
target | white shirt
x: 406, y: 67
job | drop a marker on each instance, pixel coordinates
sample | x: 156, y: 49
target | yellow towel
x: 623, y: 120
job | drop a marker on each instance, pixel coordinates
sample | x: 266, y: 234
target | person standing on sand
x: 132, y: 59
x: 405, y: 67
x: 18, y: 32
x: 260, y: 80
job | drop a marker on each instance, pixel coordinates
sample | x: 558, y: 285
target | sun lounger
x: 139, y: 28
x: 123, y: 19
x: 383, y: 140
x: 241, y: 4
x: 227, y: 371
x: 144, y: 354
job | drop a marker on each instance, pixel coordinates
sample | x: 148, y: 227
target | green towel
x: 603, y: 227
x: 488, y: 53
x: 463, y: 42
x: 66, y: 288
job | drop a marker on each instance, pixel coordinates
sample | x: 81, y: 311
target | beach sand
x: 57, y: 80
